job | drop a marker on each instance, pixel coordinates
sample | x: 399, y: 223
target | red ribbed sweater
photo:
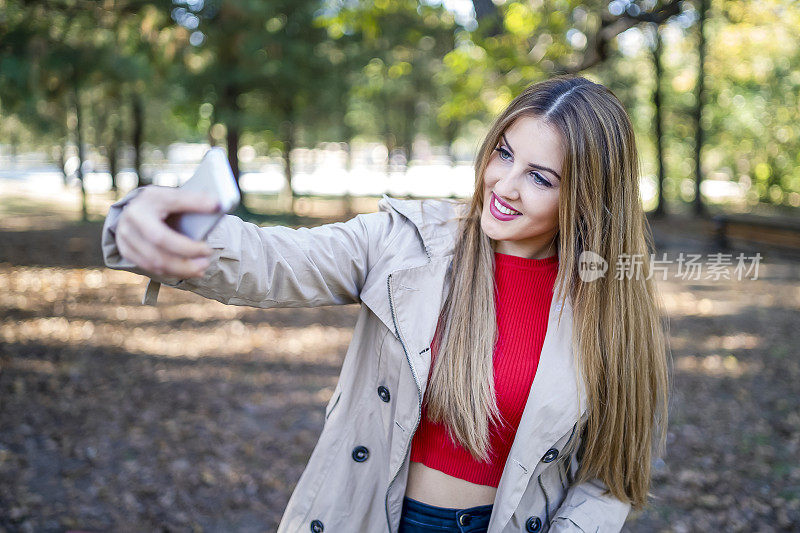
x: 523, y: 293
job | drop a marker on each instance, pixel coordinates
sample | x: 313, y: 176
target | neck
x: 525, y: 250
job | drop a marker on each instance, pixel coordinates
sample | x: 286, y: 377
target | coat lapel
x: 555, y: 403
x: 436, y: 227
x: 417, y: 296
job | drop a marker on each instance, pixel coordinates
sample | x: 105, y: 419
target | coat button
x: 464, y: 519
x: 533, y: 524
x: 550, y: 456
x: 360, y: 454
x: 316, y: 526
x: 383, y: 392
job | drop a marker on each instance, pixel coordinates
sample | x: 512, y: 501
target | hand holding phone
x: 162, y: 229
x: 213, y: 177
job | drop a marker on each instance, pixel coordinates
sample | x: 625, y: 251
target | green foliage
x: 752, y: 105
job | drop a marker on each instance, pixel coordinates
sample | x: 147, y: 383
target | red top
x: 523, y: 293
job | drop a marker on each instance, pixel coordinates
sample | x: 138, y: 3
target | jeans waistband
x: 468, y: 519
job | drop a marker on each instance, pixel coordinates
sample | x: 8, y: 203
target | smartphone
x: 214, y: 177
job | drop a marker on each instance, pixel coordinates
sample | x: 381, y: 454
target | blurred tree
x: 616, y: 17
x: 258, y: 65
x: 658, y: 121
x: 752, y: 79
x: 702, y: 10
x: 753, y: 85
x: 401, y: 46
x: 48, y: 66
x: 57, y: 67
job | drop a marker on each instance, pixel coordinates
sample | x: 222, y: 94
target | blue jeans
x: 418, y: 517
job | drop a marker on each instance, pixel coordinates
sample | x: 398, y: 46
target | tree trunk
x: 79, y: 140
x: 62, y: 160
x: 232, y: 139
x: 348, y: 166
x: 391, y: 143
x: 62, y: 153
x: 314, y: 151
x: 450, y: 133
x: 138, y: 132
x: 109, y: 123
x: 113, y: 159
x: 288, y: 146
x: 486, y: 9
x: 389, y: 137
x: 231, y: 115
x: 660, y: 209
x: 408, y: 131
x: 14, y: 149
x: 348, y: 160
x: 347, y: 198
x: 699, y: 207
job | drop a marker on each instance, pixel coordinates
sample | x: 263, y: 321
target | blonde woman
x: 493, y: 382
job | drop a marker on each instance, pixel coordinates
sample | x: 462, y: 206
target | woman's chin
x: 488, y: 230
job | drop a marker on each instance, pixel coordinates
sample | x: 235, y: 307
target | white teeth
x: 503, y: 209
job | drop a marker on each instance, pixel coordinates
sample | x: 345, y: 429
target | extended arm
x: 275, y: 266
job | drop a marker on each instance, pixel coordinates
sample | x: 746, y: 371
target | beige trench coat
x: 393, y: 262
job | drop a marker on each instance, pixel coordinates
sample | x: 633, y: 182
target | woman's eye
x: 505, y: 155
x: 538, y: 178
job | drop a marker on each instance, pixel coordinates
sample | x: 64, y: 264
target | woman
x: 546, y: 388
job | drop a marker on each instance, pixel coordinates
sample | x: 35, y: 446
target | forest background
x: 107, y: 89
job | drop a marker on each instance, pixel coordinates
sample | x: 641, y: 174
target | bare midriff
x: 430, y: 486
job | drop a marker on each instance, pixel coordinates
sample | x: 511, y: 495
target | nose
x: 506, y: 187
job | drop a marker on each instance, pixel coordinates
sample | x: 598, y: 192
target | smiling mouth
x: 502, y: 208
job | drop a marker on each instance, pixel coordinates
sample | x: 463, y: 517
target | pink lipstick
x: 496, y: 213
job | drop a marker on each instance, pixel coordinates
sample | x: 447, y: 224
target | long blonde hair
x: 618, y: 334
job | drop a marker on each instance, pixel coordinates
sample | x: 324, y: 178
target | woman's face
x: 524, y: 176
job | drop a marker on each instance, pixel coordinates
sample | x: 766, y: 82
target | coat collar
x: 435, y: 221
x: 436, y: 225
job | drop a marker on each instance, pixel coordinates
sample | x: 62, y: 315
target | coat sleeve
x: 277, y: 266
x: 587, y: 506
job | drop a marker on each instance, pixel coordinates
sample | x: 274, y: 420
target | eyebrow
x: 532, y: 165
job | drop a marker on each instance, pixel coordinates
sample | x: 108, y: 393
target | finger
x: 179, y: 265
x: 155, y: 261
x: 161, y: 235
x: 182, y: 267
x: 153, y: 229
x: 161, y: 262
x: 133, y: 248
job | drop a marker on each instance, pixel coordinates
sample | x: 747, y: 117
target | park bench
x: 777, y: 231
